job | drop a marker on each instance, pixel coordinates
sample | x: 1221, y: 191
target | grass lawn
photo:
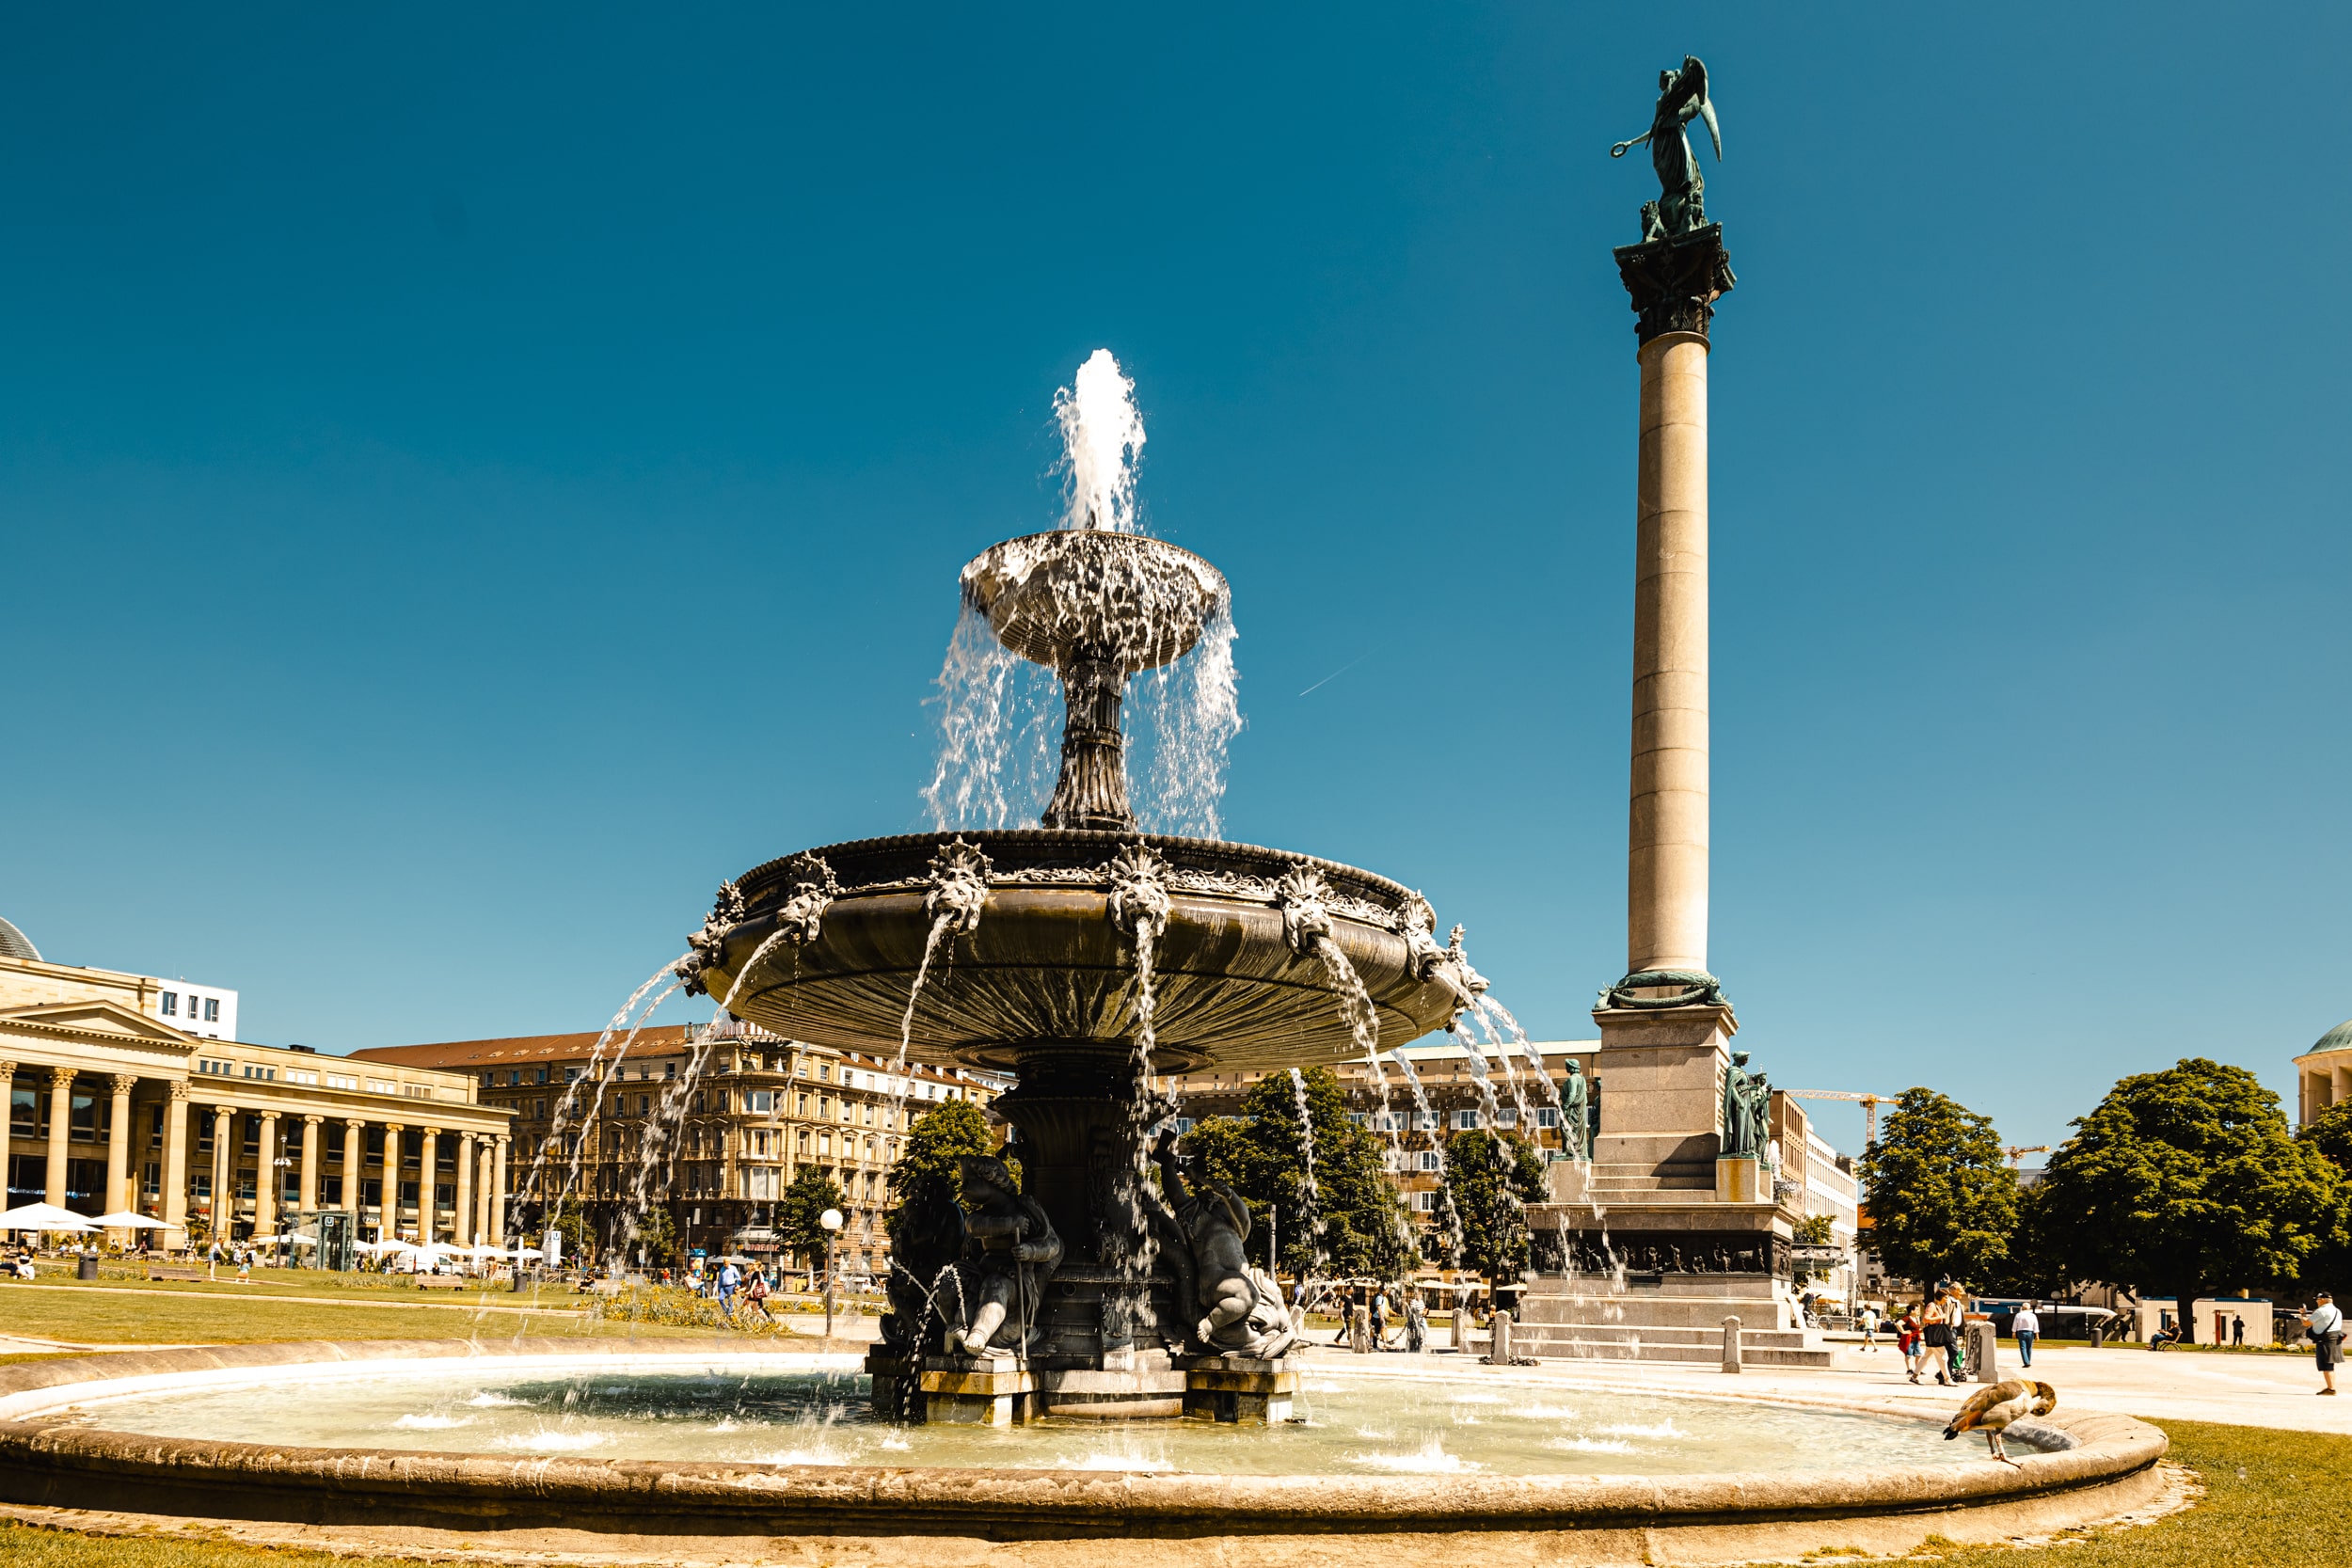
x: 2271, y: 1498
x: 189, y: 1316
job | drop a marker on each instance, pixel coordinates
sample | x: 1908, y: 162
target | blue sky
x: 467, y: 484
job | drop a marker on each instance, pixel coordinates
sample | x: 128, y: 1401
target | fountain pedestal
x: 1240, y: 1388
x: 960, y: 1390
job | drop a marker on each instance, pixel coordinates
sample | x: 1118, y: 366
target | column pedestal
x: 1239, y: 1389
x: 965, y: 1392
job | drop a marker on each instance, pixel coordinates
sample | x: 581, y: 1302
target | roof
x: 514, y: 1050
x: 2337, y: 1038
x: 16, y: 945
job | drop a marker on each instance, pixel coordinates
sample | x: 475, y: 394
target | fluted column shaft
x: 117, y: 1194
x: 175, y: 1204
x: 60, y: 1124
x: 1667, y: 830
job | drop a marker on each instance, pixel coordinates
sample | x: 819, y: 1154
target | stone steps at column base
x: 1556, y: 1342
x: 1670, y: 1314
x: 1649, y: 1334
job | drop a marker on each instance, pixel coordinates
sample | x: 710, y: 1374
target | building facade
x: 2322, y: 1074
x: 717, y: 1146
x: 113, y: 1108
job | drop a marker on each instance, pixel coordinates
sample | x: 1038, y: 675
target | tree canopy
x: 1489, y: 1179
x: 1355, y: 1223
x: 2186, y: 1180
x: 803, y: 1207
x: 1942, y: 1200
x: 938, y: 1139
x: 2329, y: 1266
x: 654, y: 1234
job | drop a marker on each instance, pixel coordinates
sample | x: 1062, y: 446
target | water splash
x: 523, y: 1189
x: 1000, y: 723
x: 1102, y: 436
x: 1189, y: 713
x: 1450, y: 1219
x: 1310, y: 1206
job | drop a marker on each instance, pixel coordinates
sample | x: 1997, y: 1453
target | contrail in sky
x: 1338, y: 673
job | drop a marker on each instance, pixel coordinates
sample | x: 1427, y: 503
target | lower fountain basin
x: 1045, y: 961
x: 749, y: 1455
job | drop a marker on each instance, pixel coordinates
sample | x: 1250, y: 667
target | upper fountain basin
x: 1045, y: 964
x: 1123, y: 596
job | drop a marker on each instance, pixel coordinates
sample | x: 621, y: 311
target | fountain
x: 1086, y: 956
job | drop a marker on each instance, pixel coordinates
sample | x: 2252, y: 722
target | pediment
x: 96, y: 1017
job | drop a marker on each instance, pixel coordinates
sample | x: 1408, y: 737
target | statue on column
x: 1573, y: 1116
x: 1242, y: 1308
x: 1681, y: 206
x: 1012, y: 1253
x: 1747, y: 1110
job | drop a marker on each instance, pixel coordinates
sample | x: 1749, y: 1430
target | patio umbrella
x: 123, y: 1219
x: 43, y: 1217
x: 377, y: 1249
x: 524, y: 1252
x: 482, y: 1250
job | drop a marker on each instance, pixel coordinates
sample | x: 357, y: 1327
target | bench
x: 443, y: 1282
x: 166, y: 1271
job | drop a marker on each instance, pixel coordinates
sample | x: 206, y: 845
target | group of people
x: 1934, y: 1332
x: 1395, y: 1317
x: 733, y: 1288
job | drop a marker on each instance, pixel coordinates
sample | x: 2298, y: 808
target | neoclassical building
x: 110, y: 1108
x: 2322, y: 1074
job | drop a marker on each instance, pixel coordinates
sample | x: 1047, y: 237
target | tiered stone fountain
x: 1085, y: 958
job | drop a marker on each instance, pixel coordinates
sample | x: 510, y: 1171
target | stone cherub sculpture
x: 1681, y: 206
x: 1242, y: 1308
x: 1011, y: 1252
x: 926, y: 1235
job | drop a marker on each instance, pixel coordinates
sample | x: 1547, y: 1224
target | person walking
x: 758, y: 1295
x: 2237, y: 1331
x: 1869, y: 1323
x: 2026, y: 1325
x: 1416, y: 1322
x: 1381, y: 1319
x: 1908, y: 1343
x: 1936, y: 1329
x: 728, y: 1280
x: 2324, y: 1328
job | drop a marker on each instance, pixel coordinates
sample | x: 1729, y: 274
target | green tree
x: 801, y: 1208
x: 2329, y: 1266
x: 655, y: 1235
x: 1491, y: 1179
x: 1352, y: 1222
x: 2184, y: 1180
x: 570, y: 1221
x: 938, y: 1139
x: 1943, y: 1200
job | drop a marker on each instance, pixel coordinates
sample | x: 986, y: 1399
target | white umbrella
x: 43, y: 1217
x: 379, y: 1248
x: 296, y: 1237
x: 123, y: 1219
x: 524, y: 1252
x: 482, y: 1250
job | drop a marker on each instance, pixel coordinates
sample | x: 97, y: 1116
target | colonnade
x: 289, y: 1139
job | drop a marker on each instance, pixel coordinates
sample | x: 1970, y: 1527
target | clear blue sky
x: 469, y: 484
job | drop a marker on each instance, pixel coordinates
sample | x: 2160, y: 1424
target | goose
x: 1991, y: 1411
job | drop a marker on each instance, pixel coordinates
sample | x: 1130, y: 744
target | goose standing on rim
x: 1991, y: 1410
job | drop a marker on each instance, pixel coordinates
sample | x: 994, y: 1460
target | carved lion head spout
x: 707, y: 947
x: 1305, y: 900
x: 1138, y: 897
x: 958, y: 886
x: 810, y: 889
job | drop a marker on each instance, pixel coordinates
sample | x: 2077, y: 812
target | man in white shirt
x: 2028, y: 1328
x: 2324, y: 1328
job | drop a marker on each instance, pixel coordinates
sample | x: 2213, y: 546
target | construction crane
x: 1870, y: 1103
x: 2017, y: 1154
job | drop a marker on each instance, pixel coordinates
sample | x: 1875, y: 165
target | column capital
x: 177, y: 1088
x: 267, y: 1114
x: 395, y: 1127
x: 1675, y: 282
x: 431, y: 1132
x: 313, y: 1118
x: 122, y: 1082
x: 7, y: 1070
x: 60, y: 1077
x: 358, y: 1124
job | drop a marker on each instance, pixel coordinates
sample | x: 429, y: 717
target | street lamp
x: 831, y: 1220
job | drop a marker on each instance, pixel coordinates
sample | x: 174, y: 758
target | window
x: 171, y: 1003
x: 1424, y: 1203
x: 1392, y: 1160
x: 760, y: 1099
x: 645, y: 1104
x: 1425, y: 1121
x: 382, y: 1085
x: 1183, y: 1124
x: 211, y: 1009
x: 513, y: 1077
x: 1464, y: 1120
x: 342, y: 1080
x: 1507, y: 1118
x: 1356, y: 1116
x: 824, y: 1070
x: 487, y: 1079
x: 1547, y: 1117
x: 1430, y: 1159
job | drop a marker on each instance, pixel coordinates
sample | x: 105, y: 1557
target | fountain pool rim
x: 518, y: 1500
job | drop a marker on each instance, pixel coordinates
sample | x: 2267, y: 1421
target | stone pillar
x: 1667, y: 821
x: 497, y: 1198
x: 7, y: 1103
x: 60, y: 1123
x: 175, y: 1205
x: 119, y: 1173
x: 387, y: 1212
x: 461, y: 1218
x: 224, y: 1172
x: 310, y: 1136
x: 428, y: 1156
x: 485, y: 1179
x: 265, y: 1177
x: 355, y: 1164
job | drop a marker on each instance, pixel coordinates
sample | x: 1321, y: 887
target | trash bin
x: 86, y: 1267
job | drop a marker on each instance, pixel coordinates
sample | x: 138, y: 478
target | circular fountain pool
x: 744, y: 1412
x: 566, y: 1448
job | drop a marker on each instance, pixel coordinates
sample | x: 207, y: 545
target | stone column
x: 484, y: 1193
x: 60, y: 1123
x: 119, y: 1173
x: 8, y: 1103
x: 354, y: 1159
x: 1666, y: 843
x: 461, y: 1219
x: 224, y: 1171
x: 1673, y: 284
x: 175, y: 1204
x: 310, y: 1136
x: 265, y: 1177
x: 387, y: 1212
x: 497, y: 1198
x: 428, y: 1157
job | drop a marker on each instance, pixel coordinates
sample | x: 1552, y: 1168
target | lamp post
x: 831, y: 1220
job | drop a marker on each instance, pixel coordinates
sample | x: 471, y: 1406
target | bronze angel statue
x: 1680, y: 207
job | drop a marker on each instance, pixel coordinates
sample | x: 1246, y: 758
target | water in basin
x: 1348, y: 1424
